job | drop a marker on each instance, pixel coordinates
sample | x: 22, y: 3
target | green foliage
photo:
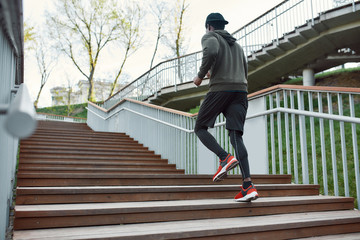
x: 194, y: 110
x: 79, y: 110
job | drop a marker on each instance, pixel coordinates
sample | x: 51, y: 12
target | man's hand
x: 197, y: 81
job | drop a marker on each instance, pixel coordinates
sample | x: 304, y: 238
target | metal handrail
x: 20, y: 119
x: 265, y: 29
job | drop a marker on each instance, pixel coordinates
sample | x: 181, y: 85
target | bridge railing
x: 265, y: 29
x: 281, y: 20
x: 309, y: 132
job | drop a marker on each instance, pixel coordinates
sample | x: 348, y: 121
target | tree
x: 175, y: 39
x: 46, y: 63
x: 82, y: 29
x: 161, y: 13
x: 45, y: 59
x: 130, y: 40
x: 28, y: 35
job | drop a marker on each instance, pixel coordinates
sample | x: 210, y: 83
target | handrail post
x: 353, y: 5
x: 277, y: 27
x: 303, y: 145
x: 312, y: 13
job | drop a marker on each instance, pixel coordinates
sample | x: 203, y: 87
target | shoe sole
x: 223, y: 173
x: 248, y: 198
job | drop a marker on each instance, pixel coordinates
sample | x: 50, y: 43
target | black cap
x: 215, y: 18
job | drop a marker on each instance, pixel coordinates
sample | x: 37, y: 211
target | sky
x: 237, y: 12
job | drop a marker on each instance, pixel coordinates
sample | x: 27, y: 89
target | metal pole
x: 312, y: 12
x: 343, y: 147
x: 312, y: 132
x: 353, y: 5
x: 322, y: 140
x: 355, y: 149
x: 333, y: 150
x: 303, y: 145
x: 279, y: 135
x: 277, y: 27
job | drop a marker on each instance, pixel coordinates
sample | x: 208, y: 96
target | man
x: 225, y: 64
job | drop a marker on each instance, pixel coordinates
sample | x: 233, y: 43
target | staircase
x: 74, y: 183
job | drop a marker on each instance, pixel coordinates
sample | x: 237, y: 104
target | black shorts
x: 232, y: 104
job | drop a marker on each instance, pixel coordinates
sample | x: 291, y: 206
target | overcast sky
x: 237, y: 12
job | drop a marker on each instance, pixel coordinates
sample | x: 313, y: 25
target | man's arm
x: 210, y: 47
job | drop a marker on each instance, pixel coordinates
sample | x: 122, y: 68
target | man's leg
x: 210, y: 142
x: 242, y: 156
x: 213, y: 105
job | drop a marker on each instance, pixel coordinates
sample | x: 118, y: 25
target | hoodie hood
x: 224, y: 34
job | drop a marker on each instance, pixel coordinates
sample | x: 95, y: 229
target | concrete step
x: 92, y: 194
x: 280, y: 226
x: 92, y: 214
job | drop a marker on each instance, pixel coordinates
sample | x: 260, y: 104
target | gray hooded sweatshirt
x: 224, y: 58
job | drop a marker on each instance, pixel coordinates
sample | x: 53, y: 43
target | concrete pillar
x: 308, y: 77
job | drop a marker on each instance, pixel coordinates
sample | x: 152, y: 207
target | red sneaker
x: 247, y: 195
x: 225, y: 165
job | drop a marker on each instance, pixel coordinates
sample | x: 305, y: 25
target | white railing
x: 53, y: 117
x: 165, y: 131
x: 314, y: 135
x: 308, y: 132
x: 260, y: 32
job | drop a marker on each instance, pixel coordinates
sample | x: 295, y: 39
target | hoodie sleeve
x: 210, y: 46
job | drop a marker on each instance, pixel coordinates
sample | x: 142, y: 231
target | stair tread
x: 146, y: 176
x: 138, y: 189
x: 175, y: 205
x: 348, y: 236
x: 197, y: 228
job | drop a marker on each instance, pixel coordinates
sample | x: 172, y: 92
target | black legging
x: 236, y: 141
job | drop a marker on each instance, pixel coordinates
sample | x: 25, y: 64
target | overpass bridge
x: 297, y: 37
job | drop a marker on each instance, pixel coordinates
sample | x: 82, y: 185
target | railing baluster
x: 322, y: 141
x: 272, y: 137
x: 303, y: 145
x: 287, y: 135
x: 333, y: 150
x: 343, y: 146
x: 293, y: 128
x: 281, y: 164
x: 313, y: 144
x: 355, y: 148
